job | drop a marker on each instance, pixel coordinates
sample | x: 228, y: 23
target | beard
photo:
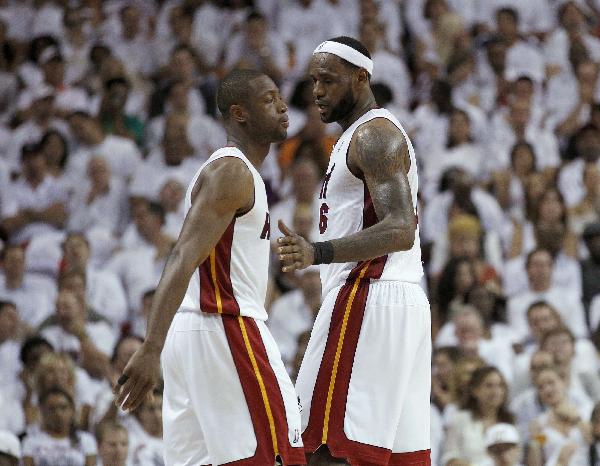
x: 342, y: 109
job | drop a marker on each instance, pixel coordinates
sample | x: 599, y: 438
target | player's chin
x: 280, y: 134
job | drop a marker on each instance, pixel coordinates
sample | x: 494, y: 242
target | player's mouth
x: 285, y: 123
x: 322, y: 106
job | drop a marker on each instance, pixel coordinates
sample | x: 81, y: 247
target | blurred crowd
x: 107, y: 109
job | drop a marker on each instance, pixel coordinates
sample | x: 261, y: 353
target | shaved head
x: 235, y: 89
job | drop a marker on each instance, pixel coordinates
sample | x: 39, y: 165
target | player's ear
x: 363, y: 76
x: 238, y: 113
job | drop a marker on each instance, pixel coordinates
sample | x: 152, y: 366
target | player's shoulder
x: 227, y: 177
x: 378, y: 133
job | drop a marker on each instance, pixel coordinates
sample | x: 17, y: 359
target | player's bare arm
x: 224, y: 189
x: 379, y: 154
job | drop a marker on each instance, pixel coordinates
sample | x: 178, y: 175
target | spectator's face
x: 587, y: 145
x: 54, y: 150
x: 459, y: 128
x: 540, y: 360
x: 256, y: 30
x: 370, y: 35
x: 99, y: 172
x: 591, y: 178
x: 496, y: 54
x: 57, y: 374
x: 465, y: 278
x: 147, y: 223
x: 178, y: 97
x: 77, y: 251
x: 42, y: 109
x: 551, y: 208
x: 130, y: 20
x: 114, y: 447
x: 520, y: 111
x: 587, y: 73
x: 126, y: 350
x: 175, y: 141
x: 57, y: 413
x: 9, y: 319
x: 523, y: 161
x: 539, y: 270
x: 14, y: 263
x: 85, y: 129
x: 523, y: 89
x: 542, y: 319
x: 182, y: 65
x: 150, y: 415
x: 572, y: 18
x: 550, y: 387
x: 491, y: 392
x: 116, y: 98
x: 505, y: 454
x: 464, y: 244
x: 34, y: 165
x: 561, y: 347
x: 54, y: 72
x: 468, y: 330
x: 68, y: 307
x: 443, y: 367
x: 507, y: 26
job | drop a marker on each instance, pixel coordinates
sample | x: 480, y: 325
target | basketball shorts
x: 227, y: 397
x: 365, y: 380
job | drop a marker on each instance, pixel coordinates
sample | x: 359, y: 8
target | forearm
x: 168, y: 297
x: 93, y: 360
x: 54, y: 215
x: 380, y: 239
x: 570, y: 125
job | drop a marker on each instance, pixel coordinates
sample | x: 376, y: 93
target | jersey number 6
x: 323, y: 218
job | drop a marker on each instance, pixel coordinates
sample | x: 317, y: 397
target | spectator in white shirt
x: 104, y: 292
x: 132, y: 44
x: 147, y: 246
x: 33, y: 294
x: 391, y: 69
x: 258, y: 47
x: 293, y: 314
x: 567, y: 302
x: 173, y: 159
x: 145, y: 432
x: 55, y: 148
x: 122, y: 154
x: 587, y: 150
x: 58, y: 441
x: 171, y: 198
x: 89, y: 342
x: 561, y: 343
x: 10, y: 368
x: 508, y: 128
x: 38, y: 200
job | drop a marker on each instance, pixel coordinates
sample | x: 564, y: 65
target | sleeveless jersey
x: 345, y: 207
x: 233, y: 279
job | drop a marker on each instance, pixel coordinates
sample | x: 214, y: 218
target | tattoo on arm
x: 380, y: 152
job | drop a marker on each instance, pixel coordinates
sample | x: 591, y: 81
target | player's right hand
x: 294, y: 251
x: 140, y: 376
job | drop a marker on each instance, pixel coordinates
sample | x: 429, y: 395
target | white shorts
x: 365, y: 380
x: 227, y: 397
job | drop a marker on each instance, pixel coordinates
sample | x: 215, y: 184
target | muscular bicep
x: 380, y: 152
x: 220, y: 193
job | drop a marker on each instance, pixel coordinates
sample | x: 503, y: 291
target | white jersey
x: 345, y: 207
x: 233, y: 279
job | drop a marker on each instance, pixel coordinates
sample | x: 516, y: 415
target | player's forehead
x: 326, y: 63
x: 262, y: 85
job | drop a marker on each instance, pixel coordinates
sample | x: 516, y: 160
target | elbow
x: 404, y: 235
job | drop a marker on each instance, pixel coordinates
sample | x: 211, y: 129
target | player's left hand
x: 139, y: 377
x: 294, y: 251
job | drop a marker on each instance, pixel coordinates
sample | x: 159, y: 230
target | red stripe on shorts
x: 218, y: 274
x: 236, y: 328
x: 337, y: 442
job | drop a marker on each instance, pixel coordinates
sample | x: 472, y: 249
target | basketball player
x: 227, y: 396
x: 365, y: 379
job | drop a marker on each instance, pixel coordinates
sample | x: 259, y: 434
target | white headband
x: 347, y: 53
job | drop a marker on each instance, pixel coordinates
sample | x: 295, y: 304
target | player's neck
x: 252, y: 150
x: 364, y: 104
